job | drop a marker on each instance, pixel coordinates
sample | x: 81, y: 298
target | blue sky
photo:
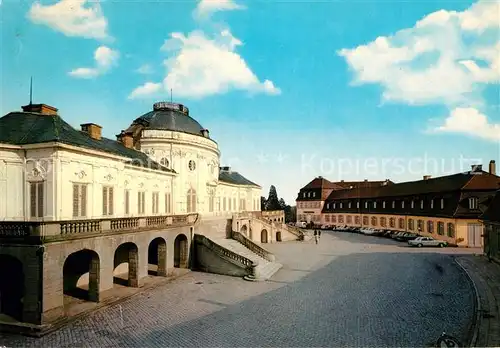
x: 290, y: 90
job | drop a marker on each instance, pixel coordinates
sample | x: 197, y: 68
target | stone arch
x: 278, y: 236
x: 157, y: 257
x: 263, y: 236
x: 181, y: 251
x: 126, y: 265
x: 81, y: 272
x: 244, y: 230
x: 11, y: 287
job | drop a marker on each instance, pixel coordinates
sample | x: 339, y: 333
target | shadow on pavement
x: 370, y: 299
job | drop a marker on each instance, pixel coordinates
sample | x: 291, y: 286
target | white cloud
x: 200, y: 66
x: 146, y: 90
x: 145, y: 69
x: 104, y: 57
x: 72, y: 18
x: 436, y: 61
x: 206, y: 7
x: 471, y: 122
x: 446, y: 58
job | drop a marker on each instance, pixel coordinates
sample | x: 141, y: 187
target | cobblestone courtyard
x: 350, y: 290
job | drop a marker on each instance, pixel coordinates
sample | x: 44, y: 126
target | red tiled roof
x: 455, y: 182
x: 321, y: 183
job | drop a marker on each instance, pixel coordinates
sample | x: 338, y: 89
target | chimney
x: 366, y: 180
x: 427, y: 177
x: 43, y: 109
x: 477, y: 167
x: 493, y: 168
x: 92, y: 129
x: 126, y: 139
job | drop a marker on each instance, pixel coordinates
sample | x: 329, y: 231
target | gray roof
x: 169, y: 120
x: 235, y: 178
x: 21, y: 128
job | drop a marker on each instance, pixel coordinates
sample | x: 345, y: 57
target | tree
x: 282, y: 204
x: 272, y: 202
x: 262, y: 203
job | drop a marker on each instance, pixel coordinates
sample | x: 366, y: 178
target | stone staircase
x: 265, y: 269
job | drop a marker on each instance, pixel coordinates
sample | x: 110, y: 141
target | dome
x: 170, y: 116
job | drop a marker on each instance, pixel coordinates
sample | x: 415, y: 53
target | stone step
x: 265, y: 268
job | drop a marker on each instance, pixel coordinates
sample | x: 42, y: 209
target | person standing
x: 316, y: 236
x: 319, y: 235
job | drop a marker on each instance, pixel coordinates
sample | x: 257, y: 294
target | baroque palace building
x: 447, y: 207
x: 82, y: 215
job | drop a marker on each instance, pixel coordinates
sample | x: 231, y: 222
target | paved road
x: 350, y: 290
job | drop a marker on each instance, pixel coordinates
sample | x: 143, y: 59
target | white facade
x: 55, y: 181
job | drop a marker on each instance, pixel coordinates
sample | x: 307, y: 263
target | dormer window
x: 393, y: 204
x: 341, y: 204
x: 375, y: 205
x: 403, y: 204
x: 442, y: 203
x: 473, y: 203
x: 334, y: 205
x: 366, y: 205
x: 422, y: 204
x: 314, y: 194
x: 308, y: 194
x: 327, y: 205
x: 383, y: 205
x: 357, y: 204
x: 412, y: 204
x: 349, y: 205
x: 432, y: 204
x: 304, y: 194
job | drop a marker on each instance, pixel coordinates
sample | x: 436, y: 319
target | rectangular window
x: 375, y: 205
x: 472, y: 203
x: 403, y: 204
x: 141, y: 202
x: 127, y: 202
x: 107, y: 200
x: 383, y: 205
x: 168, y: 204
x: 366, y: 205
x: 422, y: 204
x: 349, y: 205
x: 357, y: 204
x: 79, y: 200
x: 155, y: 202
x: 341, y: 204
x: 432, y: 204
x: 210, y: 203
x: 412, y: 204
x: 393, y: 204
x: 442, y: 203
x: 36, y: 199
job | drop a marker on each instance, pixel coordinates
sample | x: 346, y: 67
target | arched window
x: 191, y: 201
x: 374, y: 221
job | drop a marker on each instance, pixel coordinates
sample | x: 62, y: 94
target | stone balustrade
x: 44, y: 229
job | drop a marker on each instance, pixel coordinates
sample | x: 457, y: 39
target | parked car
x: 428, y: 242
x: 325, y: 227
x: 407, y: 237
